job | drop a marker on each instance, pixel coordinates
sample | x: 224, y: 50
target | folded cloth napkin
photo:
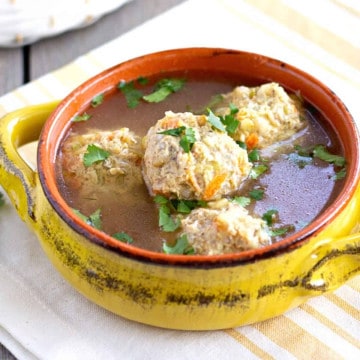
x: 25, y: 21
x: 41, y: 316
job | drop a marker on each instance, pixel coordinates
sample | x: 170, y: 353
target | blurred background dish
x: 23, y: 22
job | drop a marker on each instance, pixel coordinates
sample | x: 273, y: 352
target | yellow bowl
x: 178, y: 291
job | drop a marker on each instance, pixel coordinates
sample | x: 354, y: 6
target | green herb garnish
x: 94, y: 154
x: 123, y: 237
x: 166, y: 221
x: 93, y: 220
x: 132, y: 95
x: 163, y: 89
x: 270, y: 216
x: 215, y: 121
x: 321, y: 153
x: 258, y: 170
x: 256, y: 194
x: 186, y: 206
x: 340, y: 174
x: 280, y: 231
x: 254, y: 155
x: 187, y: 136
x: 181, y: 247
x: 97, y: 100
x: 242, y: 200
x: 82, y: 117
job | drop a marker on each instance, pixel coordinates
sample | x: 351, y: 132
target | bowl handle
x: 338, y: 260
x: 17, y: 178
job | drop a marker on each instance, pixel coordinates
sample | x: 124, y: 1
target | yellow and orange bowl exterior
x: 178, y: 291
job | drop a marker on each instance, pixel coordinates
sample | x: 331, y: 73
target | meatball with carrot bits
x: 187, y: 157
x: 266, y: 114
x: 224, y: 227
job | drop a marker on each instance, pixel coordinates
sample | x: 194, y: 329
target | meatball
x: 267, y: 114
x: 124, y: 158
x: 223, y: 227
x: 214, y: 167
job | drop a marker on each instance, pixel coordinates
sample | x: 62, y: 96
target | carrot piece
x: 251, y: 141
x: 213, y: 186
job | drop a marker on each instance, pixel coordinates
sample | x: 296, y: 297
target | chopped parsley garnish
x: 186, y: 206
x: 166, y: 221
x: 270, y: 217
x: 82, y: 117
x: 94, y: 154
x: 280, y: 231
x: 181, y: 247
x: 93, y: 220
x: 97, y: 100
x: 227, y: 123
x: 187, y: 136
x: 340, y: 174
x: 215, y: 121
x: 242, y: 200
x: 254, y: 155
x: 163, y: 89
x: 256, y: 194
x: 230, y: 122
x: 320, y: 152
x: 132, y: 95
x: 258, y: 170
x: 242, y: 144
x: 123, y: 237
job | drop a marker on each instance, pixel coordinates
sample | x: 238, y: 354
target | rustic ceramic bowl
x: 178, y: 291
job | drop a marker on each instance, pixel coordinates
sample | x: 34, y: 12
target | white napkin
x: 25, y: 21
x: 41, y: 316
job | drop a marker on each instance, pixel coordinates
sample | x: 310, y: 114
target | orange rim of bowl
x: 267, y: 69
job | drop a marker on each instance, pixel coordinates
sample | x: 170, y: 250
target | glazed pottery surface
x: 178, y: 291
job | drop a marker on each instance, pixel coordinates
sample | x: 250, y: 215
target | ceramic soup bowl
x: 194, y: 292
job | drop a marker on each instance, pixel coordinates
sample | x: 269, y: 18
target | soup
x: 290, y: 188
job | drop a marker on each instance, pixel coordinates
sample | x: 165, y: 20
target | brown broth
x: 298, y: 194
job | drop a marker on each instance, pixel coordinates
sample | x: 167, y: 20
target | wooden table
x: 20, y: 65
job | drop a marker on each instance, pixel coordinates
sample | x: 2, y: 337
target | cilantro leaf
x: 97, y: 100
x: 187, y: 136
x: 258, y: 170
x: 173, y: 132
x: 280, y: 231
x: 181, y: 247
x: 254, y: 155
x: 163, y: 89
x: 82, y: 117
x: 256, y: 194
x: 340, y: 174
x: 93, y: 220
x: 94, y: 154
x: 159, y: 199
x: 188, y: 139
x: 186, y: 206
x: 321, y: 153
x: 242, y: 200
x: 123, y: 237
x: 166, y: 222
x: 215, y: 121
x: 132, y: 95
x: 270, y: 217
